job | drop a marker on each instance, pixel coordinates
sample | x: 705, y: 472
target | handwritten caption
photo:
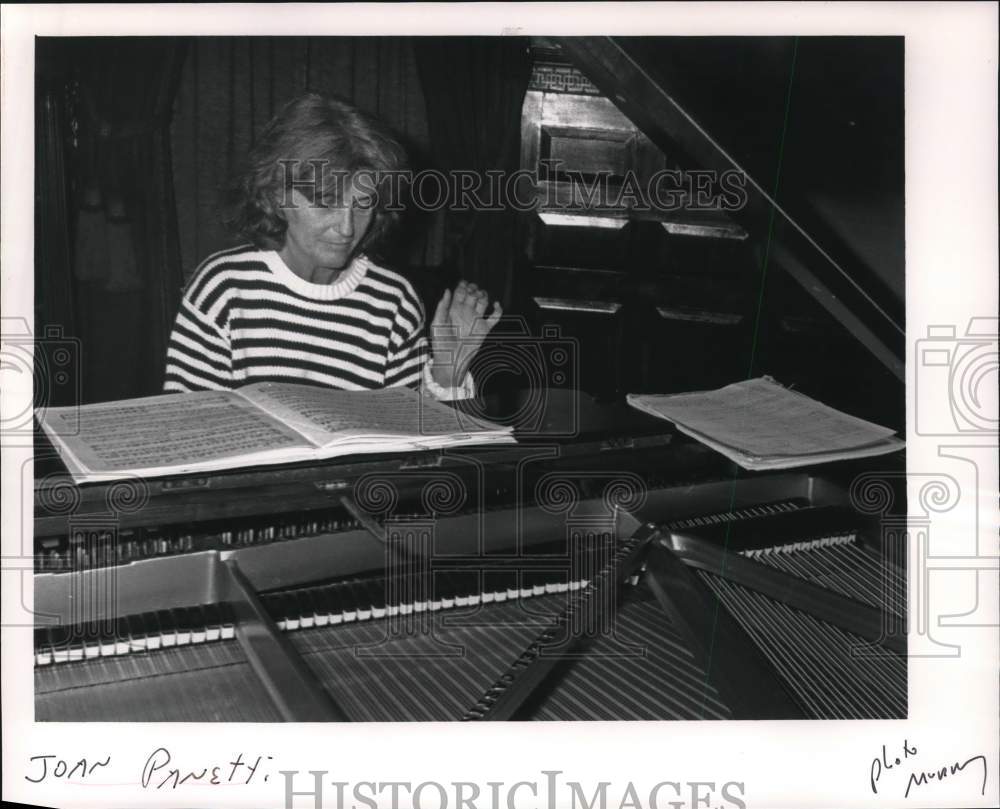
x: 158, y: 772
x: 919, y: 774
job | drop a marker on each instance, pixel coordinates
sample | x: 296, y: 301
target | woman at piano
x: 303, y: 302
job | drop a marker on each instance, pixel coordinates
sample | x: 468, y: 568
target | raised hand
x: 459, y: 327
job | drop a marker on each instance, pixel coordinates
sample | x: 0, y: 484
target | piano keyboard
x: 128, y: 635
x: 132, y: 544
x: 371, y: 599
x: 351, y: 600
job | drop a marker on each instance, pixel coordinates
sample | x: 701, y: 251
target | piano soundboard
x: 632, y: 578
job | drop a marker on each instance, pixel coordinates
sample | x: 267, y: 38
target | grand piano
x: 605, y: 567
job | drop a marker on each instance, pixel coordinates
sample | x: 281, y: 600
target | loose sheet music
x: 762, y: 425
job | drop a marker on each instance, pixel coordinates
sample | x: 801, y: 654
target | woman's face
x: 324, y: 237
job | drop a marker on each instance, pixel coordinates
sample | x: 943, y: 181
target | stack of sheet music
x: 761, y: 425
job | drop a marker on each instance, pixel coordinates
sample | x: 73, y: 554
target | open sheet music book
x: 259, y: 424
x: 761, y: 425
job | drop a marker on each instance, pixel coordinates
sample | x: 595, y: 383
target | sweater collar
x: 342, y: 287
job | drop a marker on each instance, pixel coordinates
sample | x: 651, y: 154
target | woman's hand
x: 458, y: 330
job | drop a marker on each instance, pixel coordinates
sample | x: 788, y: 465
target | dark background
x: 136, y: 139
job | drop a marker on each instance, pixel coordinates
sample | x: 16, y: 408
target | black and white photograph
x: 477, y: 378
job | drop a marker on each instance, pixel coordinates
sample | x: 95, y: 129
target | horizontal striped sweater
x: 246, y: 317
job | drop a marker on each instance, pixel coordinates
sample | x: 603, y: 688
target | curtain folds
x: 231, y: 86
x: 126, y: 257
x: 475, y: 88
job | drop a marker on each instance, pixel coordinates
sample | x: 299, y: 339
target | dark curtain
x: 475, y: 88
x: 55, y: 304
x: 126, y: 259
x: 231, y: 86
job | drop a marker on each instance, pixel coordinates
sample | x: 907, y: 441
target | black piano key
x: 85, y: 644
x: 41, y: 636
x: 348, y: 593
x: 149, y: 621
x: 60, y: 641
x: 493, y: 587
x: 43, y: 646
x: 228, y: 625
x: 304, y: 608
x: 409, y: 593
x: 330, y: 601
x: 507, y: 579
x: 321, y: 605
x: 196, y: 620
x: 121, y: 641
x: 274, y: 605
x: 292, y: 608
x: 363, y: 591
x: 393, y: 589
x: 284, y: 606
x: 444, y: 589
x: 526, y: 582
x: 467, y: 586
x: 506, y: 584
x: 178, y: 620
x: 271, y: 605
x: 165, y: 625
x: 524, y: 589
x: 421, y: 585
x: 213, y: 621
x: 376, y: 595
x: 307, y: 608
x: 431, y: 591
x: 136, y: 633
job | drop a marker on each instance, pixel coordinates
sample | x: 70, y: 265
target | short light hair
x: 308, y: 128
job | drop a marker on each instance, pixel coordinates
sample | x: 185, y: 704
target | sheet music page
x: 757, y: 463
x: 325, y: 415
x: 761, y: 418
x: 166, y: 432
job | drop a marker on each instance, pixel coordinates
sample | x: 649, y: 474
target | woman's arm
x: 198, y: 354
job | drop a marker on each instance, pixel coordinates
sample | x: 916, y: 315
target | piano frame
x: 689, y: 480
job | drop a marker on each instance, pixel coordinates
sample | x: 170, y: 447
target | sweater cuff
x: 467, y: 390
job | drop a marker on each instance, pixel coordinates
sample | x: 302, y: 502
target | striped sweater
x: 246, y: 317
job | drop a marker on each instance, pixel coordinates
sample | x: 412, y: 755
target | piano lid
x: 816, y: 124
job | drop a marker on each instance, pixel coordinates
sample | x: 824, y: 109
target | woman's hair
x: 311, y: 131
